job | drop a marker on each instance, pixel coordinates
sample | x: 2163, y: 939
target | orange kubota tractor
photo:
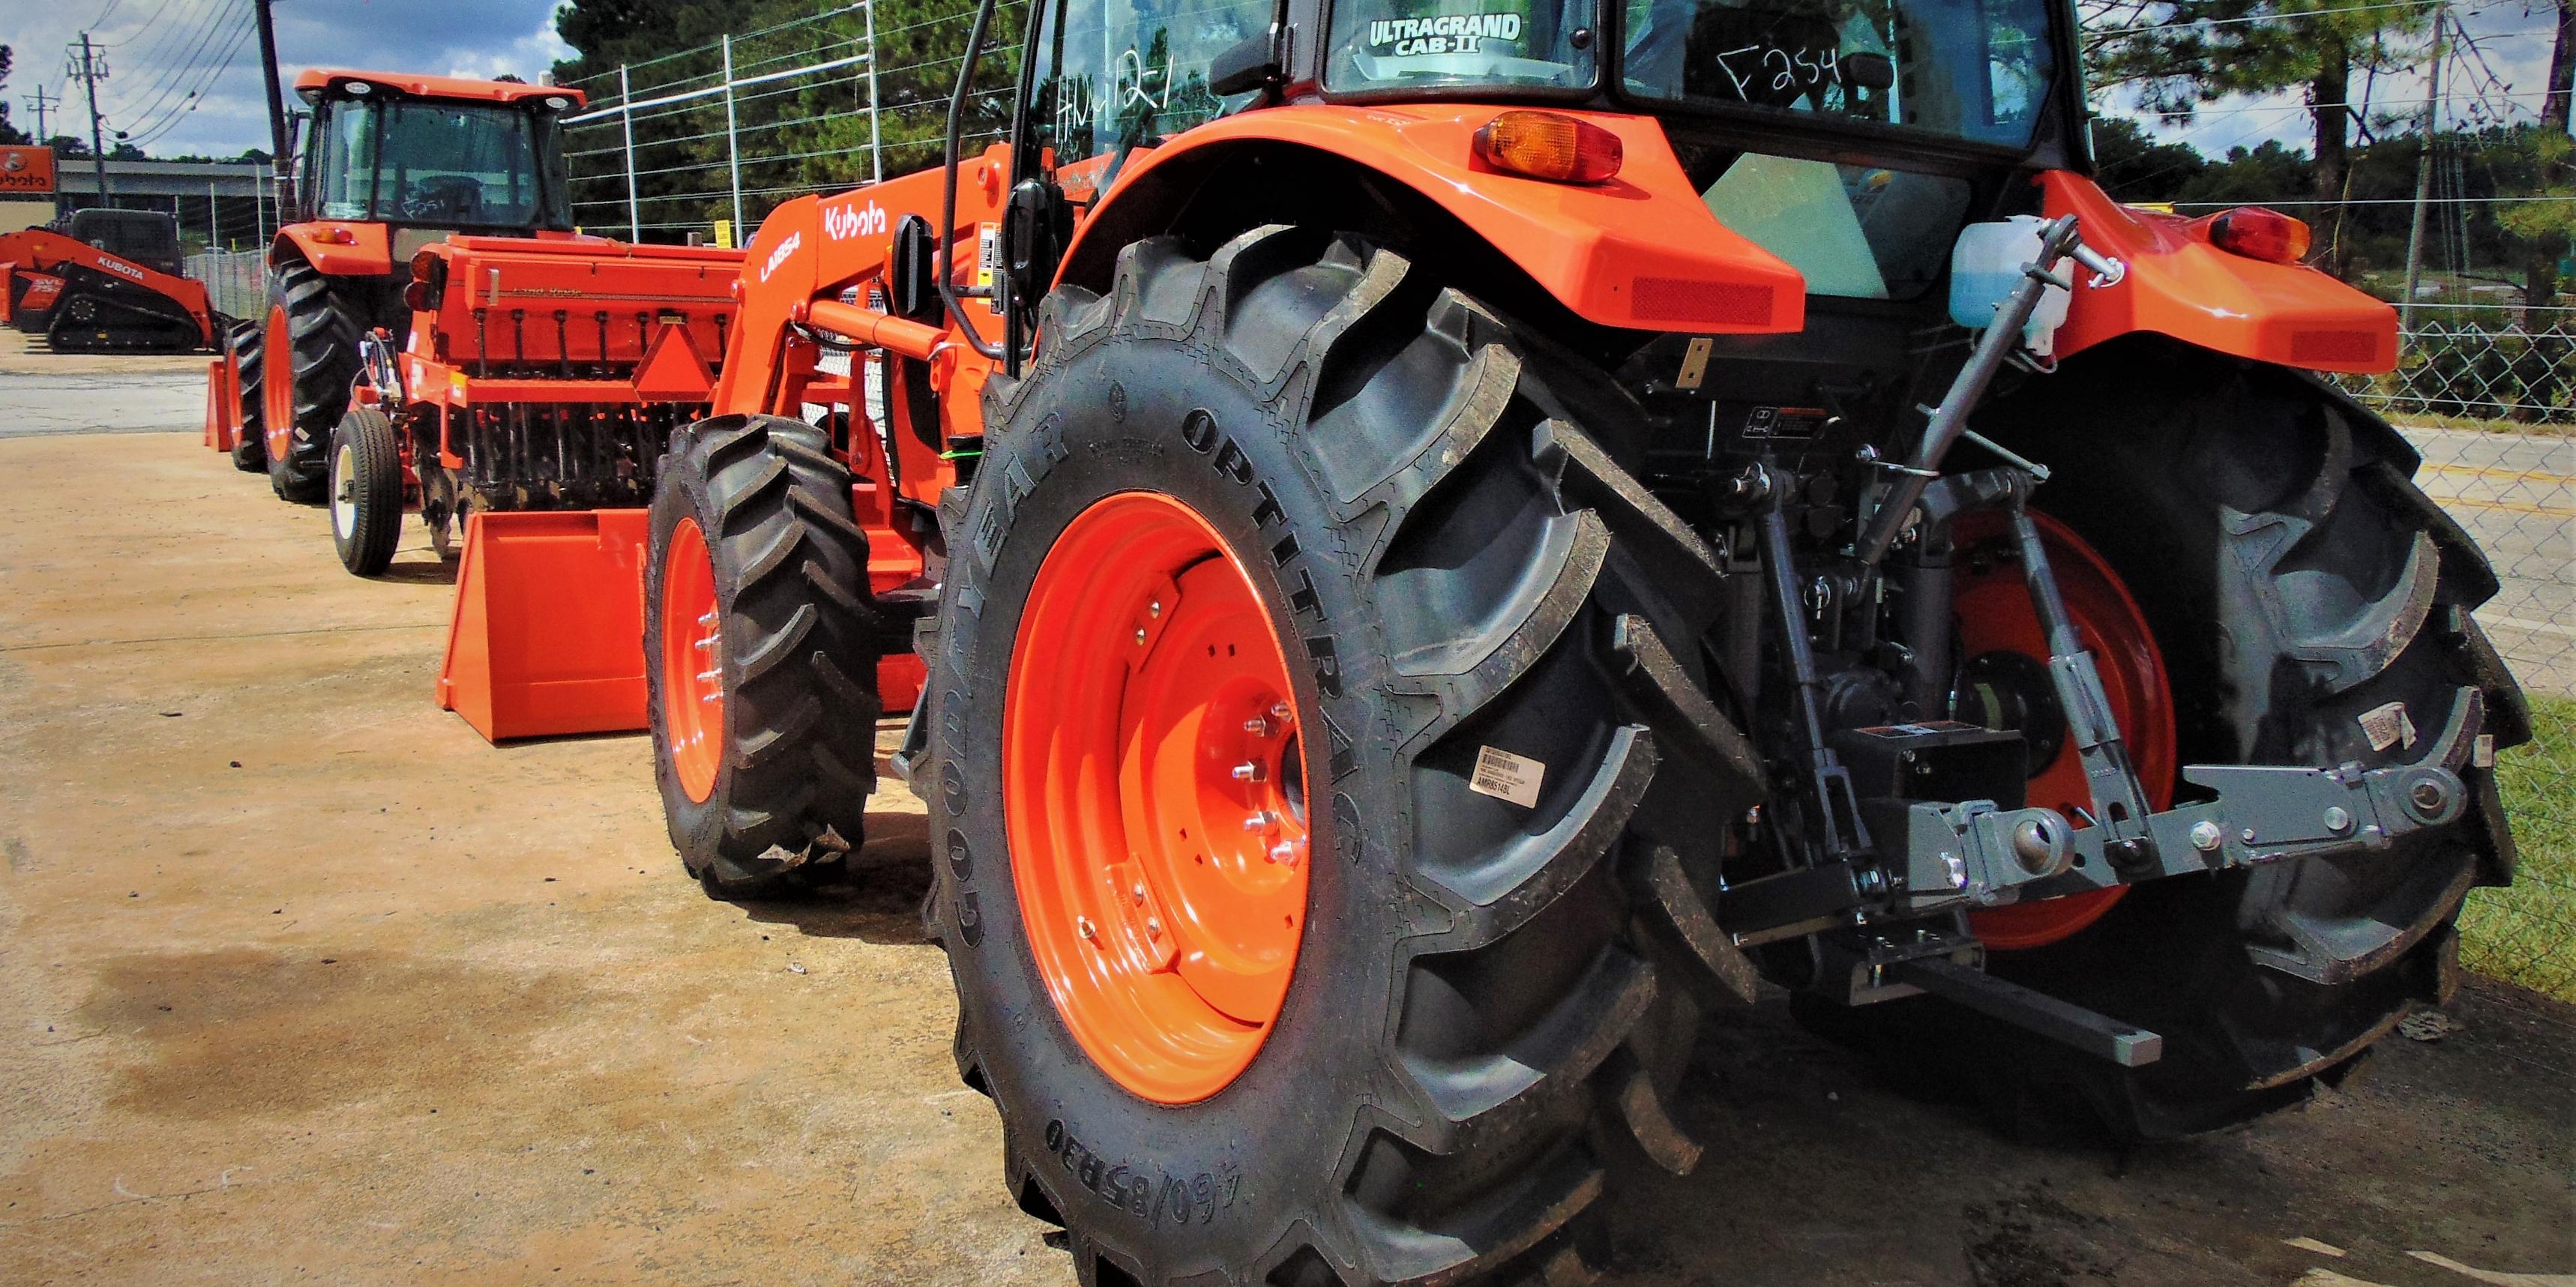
x: 96, y: 285
x: 1464, y: 536
x: 457, y: 346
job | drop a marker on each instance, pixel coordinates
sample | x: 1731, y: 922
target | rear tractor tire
x: 1296, y: 814
x: 2312, y: 607
x: 250, y: 447
x: 366, y: 491
x: 761, y: 640
x: 308, y: 358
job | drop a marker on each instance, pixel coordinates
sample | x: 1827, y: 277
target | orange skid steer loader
x: 84, y: 299
x: 1449, y: 542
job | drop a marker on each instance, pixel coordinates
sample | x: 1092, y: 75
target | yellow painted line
x: 2490, y: 471
x: 2510, y: 507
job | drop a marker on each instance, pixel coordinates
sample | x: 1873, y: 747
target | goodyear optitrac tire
x: 2313, y: 608
x: 366, y: 491
x: 309, y: 355
x: 1451, y: 571
x: 761, y: 639
x: 250, y: 449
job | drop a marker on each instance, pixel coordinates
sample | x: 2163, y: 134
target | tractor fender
x: 335, y: 248
x: 1640, y: 251
x: 2180, y: 285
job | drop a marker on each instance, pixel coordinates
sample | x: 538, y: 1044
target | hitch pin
x: 2010, y: 457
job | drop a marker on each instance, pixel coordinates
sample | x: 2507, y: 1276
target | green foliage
x: 9, y: 133
x: 2527, y: 934
x: 795, y: 136
x: 2132, y: 166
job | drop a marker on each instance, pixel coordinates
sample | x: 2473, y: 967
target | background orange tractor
x: 1463, y: 537
x: 439, y: 335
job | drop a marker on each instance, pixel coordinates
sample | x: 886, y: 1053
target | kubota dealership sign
x: 27, y: 171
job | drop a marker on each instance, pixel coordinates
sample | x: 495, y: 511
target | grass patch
x: 2527, y: 934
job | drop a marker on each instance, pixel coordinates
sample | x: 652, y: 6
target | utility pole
x: 42, y: 104
x: 90, y: 72
x: 2423, y: 177
x: 280, y: 164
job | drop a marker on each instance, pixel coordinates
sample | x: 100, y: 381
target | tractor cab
x: 434, y: 153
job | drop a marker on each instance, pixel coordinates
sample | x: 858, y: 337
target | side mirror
x: 1036, y: 227
x: 1869, y: 71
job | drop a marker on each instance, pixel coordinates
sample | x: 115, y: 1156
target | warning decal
x: 1506, y: 776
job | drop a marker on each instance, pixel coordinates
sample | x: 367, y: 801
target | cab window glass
x: 1117, y: 75
x: 1971, y: 69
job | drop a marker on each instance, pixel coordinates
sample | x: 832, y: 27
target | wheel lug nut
x: 1284, y: 854
x: 1082, y: 925
x: 1248, y: 772
x: 1259, y: 821
x: 1140, y: 893
x: 1154, y: 608
x: 1257, y: 726
x: 1140, y: 636
x: 1154, y: 926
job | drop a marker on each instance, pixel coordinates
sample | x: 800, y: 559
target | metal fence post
x: 626, y: 120
x: 733, y: 143
x: 876, y: 148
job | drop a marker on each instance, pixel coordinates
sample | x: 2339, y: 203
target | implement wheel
x: 366, y: 491
x: 761, y: 639
x: 1293, y: 817
x: 2311, y: 607
x: 309, y: 355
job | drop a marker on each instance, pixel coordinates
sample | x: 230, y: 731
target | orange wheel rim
x: 277, y: 382
x: 692, y: 662
x: 1153, y: 793
x: 1998, y: 623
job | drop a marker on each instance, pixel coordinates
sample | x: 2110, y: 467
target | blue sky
x: 159, y: 50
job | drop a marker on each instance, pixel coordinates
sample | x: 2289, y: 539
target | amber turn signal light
x: 1547, y: 145
x: 2257, y: 233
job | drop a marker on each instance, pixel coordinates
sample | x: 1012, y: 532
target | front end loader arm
x: 829, y: 273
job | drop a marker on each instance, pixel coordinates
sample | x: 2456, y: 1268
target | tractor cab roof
x: 343, y: 82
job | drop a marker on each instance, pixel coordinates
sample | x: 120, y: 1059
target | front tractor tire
x: 1294, y: 814
x: 308, y: 359
x: 2312, y: 607
x: 761, y: 640
x: 366, y: 491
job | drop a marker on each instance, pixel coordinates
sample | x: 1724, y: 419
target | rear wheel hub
x: 1154, y: 797
x: 2006, y: 684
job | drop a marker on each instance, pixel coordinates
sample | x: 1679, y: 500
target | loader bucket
x: 223, y: 403
x: 547, y: 637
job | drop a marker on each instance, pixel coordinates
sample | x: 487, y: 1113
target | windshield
x: 447, y: 164
x: 1972, y: 69
x: 1113, y: 78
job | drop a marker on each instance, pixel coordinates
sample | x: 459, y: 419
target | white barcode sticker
x: 2388, y: 726
x: 1506, y: 776
x: 2482, y: 754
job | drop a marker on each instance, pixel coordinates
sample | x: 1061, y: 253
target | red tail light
x: 1546, y: 145
x: 2257, y: 233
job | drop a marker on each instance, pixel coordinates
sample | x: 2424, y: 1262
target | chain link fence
x: 703, y: 143
x: 2513, y: 486
x: 2504, y: 367
x: 236, y: 280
